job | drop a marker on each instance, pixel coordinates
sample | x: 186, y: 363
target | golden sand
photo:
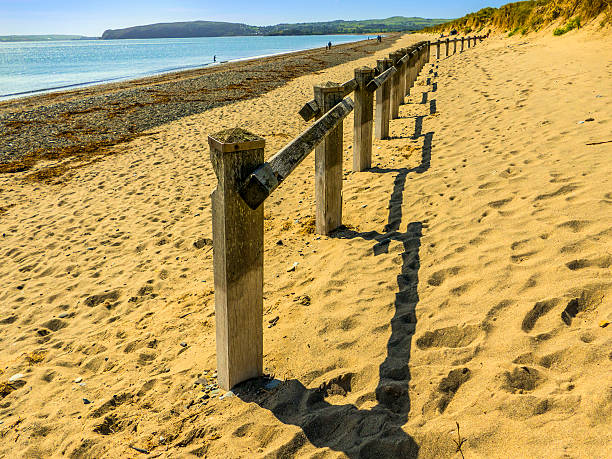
x: 482, y: 306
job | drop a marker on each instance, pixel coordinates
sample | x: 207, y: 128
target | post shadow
x: 363, y: 433
x: 359, y: 433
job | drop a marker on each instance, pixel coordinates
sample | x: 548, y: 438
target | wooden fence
x: 245, y: 180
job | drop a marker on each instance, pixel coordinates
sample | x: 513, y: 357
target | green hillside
x: 531, y: 15
x: 225, y: 29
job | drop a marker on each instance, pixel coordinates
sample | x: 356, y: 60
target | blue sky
x: 92, y: 17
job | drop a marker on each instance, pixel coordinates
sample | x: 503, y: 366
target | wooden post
x: 395, y: 95
x: 402, y: 75
x: 381, y: 119
x: 422, y: 54
x: 364, y: 114
x: 428, y: 57
x: 412, y: 65
x: 469, y: 42
x: 462, y: 40
x: 455, y: 46
x: 328, y: 164
x: 438, y: 49
x: 237, y: 258
x: 408, y: 73
x: 447, y: 46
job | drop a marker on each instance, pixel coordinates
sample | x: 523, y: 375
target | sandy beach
x: 471, y: 285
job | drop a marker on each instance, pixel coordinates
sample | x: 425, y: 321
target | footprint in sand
x: 449, y: 337
x: 439, y: 277
x: 446, y: 390
x: 588, y: 300
x: 565, y: 189
x: 538, y: 310
x: 521, y: 379
x: 574, y: 226
x: 602, y: 262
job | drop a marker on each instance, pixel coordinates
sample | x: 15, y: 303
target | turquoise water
x: 32, y: 67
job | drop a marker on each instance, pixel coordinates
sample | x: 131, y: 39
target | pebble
x: 78, y: 380
x: 16, y: 377
x: 63, y: 315
x: 183, y: 344
x: 215, y: 392
x: 86, y: 401
x: 272, y: 322
x: 226, y: 395
x: 272, y: 384
x: 293, y: 267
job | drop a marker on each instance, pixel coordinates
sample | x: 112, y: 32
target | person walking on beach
x: 329, y: 45
x: 215, y: 58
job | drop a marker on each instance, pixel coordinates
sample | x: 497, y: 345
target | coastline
x: 12, y: 96
x: 82, y: 121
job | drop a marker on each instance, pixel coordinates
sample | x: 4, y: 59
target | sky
x: 92, y: 17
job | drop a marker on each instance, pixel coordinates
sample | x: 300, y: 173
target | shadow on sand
x: 375, y: 432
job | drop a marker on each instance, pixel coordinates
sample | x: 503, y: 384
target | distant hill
x: 15, y: 38
x: 226, y: 29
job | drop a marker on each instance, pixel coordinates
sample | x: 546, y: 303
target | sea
x: 28, y: 68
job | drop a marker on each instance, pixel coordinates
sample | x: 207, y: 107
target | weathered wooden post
x: 395, y: 95
x: 402, y: 74
x: 328, y: 164
x: 438, y: 49
x: 381, y: 119
x: 421, y: 51
x: 462, y: 40
x: 428, y: 51
x: 455, y: 46
x: 408, y: 72
x: 447, y: 46
x: 469, y: 42
x: 363, y: 115
x: 413, y: 69
x: 237, y: 258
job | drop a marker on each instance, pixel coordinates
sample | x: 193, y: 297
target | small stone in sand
x: 293, y: 267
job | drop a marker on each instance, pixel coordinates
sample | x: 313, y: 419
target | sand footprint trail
x: 468, y: 286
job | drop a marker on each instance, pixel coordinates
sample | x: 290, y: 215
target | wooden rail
x: 245, y: 180
x: 269, y: 175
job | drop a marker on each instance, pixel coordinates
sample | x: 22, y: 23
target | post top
x: 364, y: 69
x: 330, y: 86
x: 235, y: 139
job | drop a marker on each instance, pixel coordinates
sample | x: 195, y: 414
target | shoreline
x: 82, y: 122
x: 11, y: 97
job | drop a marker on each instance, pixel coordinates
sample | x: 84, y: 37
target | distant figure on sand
x: 329, y: 45
x: 379, y: 38
x: 215, y: 58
